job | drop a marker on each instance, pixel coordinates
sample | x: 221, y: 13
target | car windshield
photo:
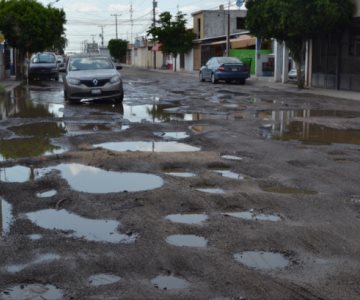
x: 89, y: 63
x: 43, y: 58
x: 228, y: 60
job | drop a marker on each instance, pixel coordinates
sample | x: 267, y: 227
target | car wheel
x: 242, y: 81
x: 57, y: 78
x: 201, y: 77
x: 120, y: 98
x: 66, y: 96
x: 213, y: 80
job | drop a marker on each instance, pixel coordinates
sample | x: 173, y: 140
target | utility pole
x: 131, y: 22
x: 228, y: 32
x: 116, y: 23
x: 102, y: 35
x: 154, y: 24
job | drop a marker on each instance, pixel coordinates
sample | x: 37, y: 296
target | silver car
x: 91, y: 78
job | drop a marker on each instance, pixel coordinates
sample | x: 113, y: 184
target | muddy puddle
x: 175, y: 135
x: 89, y: 179
x: 6, y: 217
x: 182, y: 174
x: 169, y: 282
x: 281, y: 189
x: 103, y: 279
x: 34, y: 291
x: 187, y: 240
x: 76, y: 226
x: 254, y: 216
x: 16, y: 174
x: 229, y: 174
x: 46, y: 194
x: 211, y: 190
x: 261, y: 260
x: 191, y: 219
x: 231, y: 157
x: 41, y: 259
x: 152, y: 146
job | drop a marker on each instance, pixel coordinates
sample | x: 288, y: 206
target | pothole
x: 94, y: 180
x: 229, y: 174
x: 169, y: 282
x: 79, y: 227
x: 194, y: 219
x: 181, y: 174
x: 6, y: 217
x: 32, y: 291
x: 175, y: 135
x: 187, y: 240
x: 15, y: 174
x: 103, y: 279
x: 231, y: 157
x: 211, y: 190
x: 152, y: 146
x: 45, y: 258
x: 46, y: 194
x: 251, y: 215
x: 280, y: 189
x: 261, y: 260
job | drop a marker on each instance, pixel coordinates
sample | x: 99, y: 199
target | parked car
x: 61, y: 62
x: 92, y: 77
x: 224, y: 68
x: 292, y: 75
x: 43, y: 65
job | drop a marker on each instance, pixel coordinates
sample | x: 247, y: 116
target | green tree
x: 296, y: 21
x: 172, y: 34
x: 118, y: 49
x: 30, y: 27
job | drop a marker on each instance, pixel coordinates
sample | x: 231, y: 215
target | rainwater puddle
x: 313, y: 134
x: 287, y: 190
x: 32, y: 291
x: 103, y: 279
x: 187, y: 240
x: 194, y: 219
x: 46, y: 258
x: 148, y: 146
x: 231, y: 157
x: 262, y: 260
x: 94, y: 180
x: 79, y: 227
x: 212, y: 190
x: 250, y: 215
x: 6, y: 217
x: 46, y: 194
x: 169, y: 282
x: 74, y: 128
x: 182, y: 174
x: 229, y: 174
x: 35, y: 237
x: 15, y: 174
x: 175, y: 135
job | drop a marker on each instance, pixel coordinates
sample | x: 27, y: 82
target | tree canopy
x: 118, y: 48
x: 172, y: 34
x: 296, y: 21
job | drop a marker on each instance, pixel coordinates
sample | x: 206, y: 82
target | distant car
x: 292, y: 75
x: 43, y: 65
x: 224, y: 68
x: 91, y: 78
x: 61, y: 62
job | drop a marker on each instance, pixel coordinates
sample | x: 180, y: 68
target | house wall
x: 144, y: 58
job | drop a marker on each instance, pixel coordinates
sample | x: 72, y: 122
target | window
x: 240, y: 23
x: 354, y: 44
x: 198, y: 28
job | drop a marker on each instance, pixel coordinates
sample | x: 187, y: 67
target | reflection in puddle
x: 6, y: 217
x: 229, y: 174
x: 175, y: 135
x: 94, y: 180
x: 103, y: 279
x: 250, y: 215
x: 35, y: 237
x: 212, y: 190
x: 15, y: 174
x: 46, y: 194
x: 262, y: 260
x: 148, y: 146
x: 32, y: 291
x: 187, y: 218
x: 80, y: 227
x: 187, y: 240
x: 47, y: 258
x: 169, y: 282
x: 181, y: 174
x: 231, y: 157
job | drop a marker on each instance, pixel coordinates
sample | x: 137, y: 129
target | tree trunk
x: 20, y: 67
x: 175, y: 56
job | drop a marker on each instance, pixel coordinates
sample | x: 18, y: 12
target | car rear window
x: 43, y: 58
x: 228, y: 60
x: 89, y: 63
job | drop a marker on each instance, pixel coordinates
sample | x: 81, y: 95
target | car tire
x: 242, y: 81
x: 57, y: 78
x: 213, y: 79
x: 201, y: 77
x: 120, y: 98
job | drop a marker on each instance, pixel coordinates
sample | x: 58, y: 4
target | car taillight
x: 221, y: 68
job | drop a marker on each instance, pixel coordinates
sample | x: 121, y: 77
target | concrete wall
x: 357, y: 3
x: 144, y: 58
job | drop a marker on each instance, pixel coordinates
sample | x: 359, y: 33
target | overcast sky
x: 87, y: 18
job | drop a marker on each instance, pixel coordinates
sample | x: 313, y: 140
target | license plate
x: 96, y: 92
x: 234, y: 69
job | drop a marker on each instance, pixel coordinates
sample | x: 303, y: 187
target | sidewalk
x: 10, y: 83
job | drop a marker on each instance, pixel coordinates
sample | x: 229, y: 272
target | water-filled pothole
x: 231, y: 157
x: 94, y: 180
x: 174, y: 135
x: 187, y: 240
x: 229, y: 174
x: 6, y: 217
x: 153, y: 146
x: 182, y: 174
x: 187, y: 218
x: 32, y: 291
x: 169, y: 282
x: 103, y: 279
x: 261, y: 260
x: 251, y: 215
x: 211, y: 190
x: 46, y: 258
x: 15, y: 174
x: 79, y: 227
x: 46, y: 194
